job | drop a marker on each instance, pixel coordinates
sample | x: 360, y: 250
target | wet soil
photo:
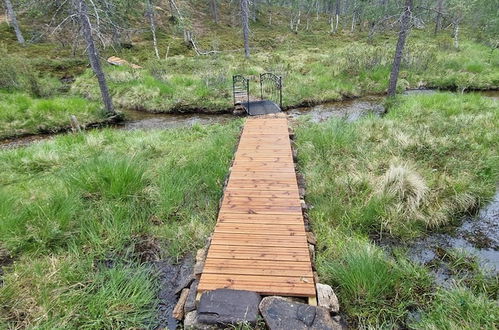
x: 172, y: 278
x: 476, y: 238
x: 5, y: 261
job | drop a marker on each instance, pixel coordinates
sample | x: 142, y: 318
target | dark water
x: 172, y: 277
x: 477, y: 236
x: 349, y: 110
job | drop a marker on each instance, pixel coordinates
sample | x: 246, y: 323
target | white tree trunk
x: 399, y: 51
x: 245, y: 22
x: 13, y: 21
x: 93, y: 56
x: 152, y: 21
x: 456, y: 35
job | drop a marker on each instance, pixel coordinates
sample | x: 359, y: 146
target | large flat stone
x: 281, y: 314
x: 225, y: 306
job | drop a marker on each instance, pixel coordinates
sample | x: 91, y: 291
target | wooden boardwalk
x: 260, y: 243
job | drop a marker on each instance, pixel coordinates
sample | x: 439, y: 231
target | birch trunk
x: 214, y: 10
x: 245, y: 23
x: 438, y: 20
x: 13, y: 21
x: 93, y: 56
x: 456, y: 35
x: 399, y: 51
x: 152, y: 21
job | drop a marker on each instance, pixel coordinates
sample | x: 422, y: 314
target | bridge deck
x: 261, y: 107
x: 260, y: 243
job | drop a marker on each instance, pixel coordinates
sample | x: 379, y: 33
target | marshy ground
x: 98, y: 227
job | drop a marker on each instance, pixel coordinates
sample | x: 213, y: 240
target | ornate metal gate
x: 271, y: 88
x: 240, y: 89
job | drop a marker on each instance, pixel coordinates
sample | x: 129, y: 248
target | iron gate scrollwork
x: 240, y: 90
x: 271, y: 88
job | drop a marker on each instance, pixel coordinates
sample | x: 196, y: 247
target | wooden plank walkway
x: 260, y: 243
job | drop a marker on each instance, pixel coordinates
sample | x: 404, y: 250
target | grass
x: 22, y: 114
x: 70, y: 205
x: 332, y: 70
x: 427, y: 162
x: 460, y: 308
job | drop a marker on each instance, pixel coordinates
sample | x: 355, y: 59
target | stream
x: 350, y: 110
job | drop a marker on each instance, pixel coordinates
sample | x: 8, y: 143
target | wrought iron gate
x: 271, y: 88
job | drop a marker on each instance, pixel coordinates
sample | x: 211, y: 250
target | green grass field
x: 69, y: 204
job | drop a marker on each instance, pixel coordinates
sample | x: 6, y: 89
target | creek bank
x: 350, y: 109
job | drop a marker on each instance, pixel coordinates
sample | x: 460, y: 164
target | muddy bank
x: 172, y: 278
x: 27, y: 139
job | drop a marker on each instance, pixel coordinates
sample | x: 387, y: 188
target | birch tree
x: 93, y: 56
x: 13, y: 21
x: 152, y: 21
x: 245, y: 24
x: 399, y: 51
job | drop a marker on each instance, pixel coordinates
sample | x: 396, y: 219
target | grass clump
x: 75, y: 213
x: 428, y: 161
x: 375, y: 289
x: 22, y: 114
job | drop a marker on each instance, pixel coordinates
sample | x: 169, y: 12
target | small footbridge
x: 270, y: 100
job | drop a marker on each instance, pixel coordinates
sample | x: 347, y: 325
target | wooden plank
x: 263, y: 209
x: 266, y: 285
x: 284, y: 228
x: 228, y: 200
x: 281, y: 219
x: 234, y: 192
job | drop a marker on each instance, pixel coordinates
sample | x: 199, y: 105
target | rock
x: 280, y: 314
x: 190, y: 303
x: 186, y: 282
x: 225, y: 307
x: 198, y: 268
x: 191, y: 322
x: 201, y: 254
x: 311, y: 238
x: 311, y: 250
x: 178, y: 311
x: 301, y: 191
x: 239, y: 111
x: 200, y: 258
x: 306, y: 314
x: 327, y: 298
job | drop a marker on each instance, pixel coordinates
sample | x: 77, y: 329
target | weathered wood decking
x: 260, y: 243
